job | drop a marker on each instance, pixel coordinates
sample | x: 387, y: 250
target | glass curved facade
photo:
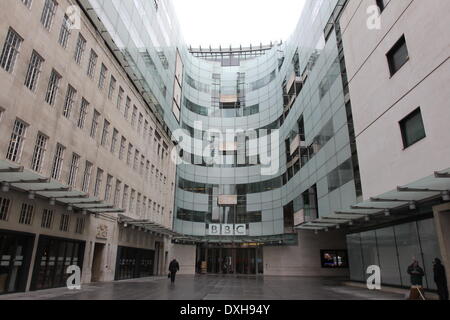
x: 270, y: 132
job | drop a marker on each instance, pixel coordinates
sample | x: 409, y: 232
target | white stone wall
x: 185, y: 255
x: 380, y: 101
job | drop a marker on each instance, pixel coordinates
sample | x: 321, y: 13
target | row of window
x: 27, y: 214
x: 11, y: 51
x: 15, y: 149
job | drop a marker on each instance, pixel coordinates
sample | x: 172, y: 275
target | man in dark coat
x: 173, y: 268
x: 417, y: 274
x: 440, y: 279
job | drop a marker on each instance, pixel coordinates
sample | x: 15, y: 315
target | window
x: 138, y: 205
x: 112, y: 87
x: 87, y: 177
x: 132, y: 198
x: 114, y: 141
x: 141, y: 169
x: 127, y: 108
x: 412, y: 128
x: 83, y: 113
x: 109, y: 180
x: 144, y: 134
x: 17, y: 140
x: 69, y: 101
x: 134, y: 116
x: 94, y: 125
x: 117, y: 193
x: 10, y: 50
x: 141, y: 119
x: 73, y: 172
x: 4, y: 208
x: 58, y: 162
x: 39, y: 152
x: 79, y: 227
x: 136, y: 159
x: 120, y: 98
x: 123, y: 143
x: 52, y: 89
x: 65, y: 222
x: 130, y: 153
x: 101, y: 80
x: 125, y: 197
x: 79, y: 50
x: 64, y: 34
x: 92, y: 63
x: 47, y: 219
x: 34, y: 70
x: 98, y: 182
x: 105, y: 133
x: 27, y: 3
x: 398, y: 56
x: 48, y: 13
x: 26, y: 214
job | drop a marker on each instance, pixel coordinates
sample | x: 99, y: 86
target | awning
x: 18, y: 178
x: 148, y: 225
x: 404, y: 197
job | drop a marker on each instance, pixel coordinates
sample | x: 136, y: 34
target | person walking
x: 417, y: 274
x: 440, y: 279
x: 174, y: 267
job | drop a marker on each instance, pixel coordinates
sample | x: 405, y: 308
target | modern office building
x: 270, y: 159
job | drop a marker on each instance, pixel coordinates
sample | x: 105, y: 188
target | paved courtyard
x: 212, y: 287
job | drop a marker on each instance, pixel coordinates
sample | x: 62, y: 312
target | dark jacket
x: 416, y: 274
x: 174, y: 266
x: 439, y: 273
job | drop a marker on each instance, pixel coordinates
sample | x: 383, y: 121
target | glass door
x: 15, y: 254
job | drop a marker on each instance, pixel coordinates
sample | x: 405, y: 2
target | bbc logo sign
x: 227, y: 230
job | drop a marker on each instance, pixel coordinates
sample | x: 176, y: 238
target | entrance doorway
x: 230, y: 260
x: 99, y: 250
x: 15, y: 254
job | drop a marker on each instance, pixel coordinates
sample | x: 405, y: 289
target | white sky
x: 236, y: 22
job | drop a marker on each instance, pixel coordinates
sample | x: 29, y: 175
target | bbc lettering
x: 227, y: 230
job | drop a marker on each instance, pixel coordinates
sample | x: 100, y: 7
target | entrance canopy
x: 409, y: 197
x: 148, y: 225
x: 20, y: 179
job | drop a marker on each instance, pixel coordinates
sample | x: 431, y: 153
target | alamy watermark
x: 228, y: 147
x: 74, y: 280
x: 73, y: 14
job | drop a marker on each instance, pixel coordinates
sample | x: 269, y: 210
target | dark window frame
x: 403, y: 129
x: 389, y: 55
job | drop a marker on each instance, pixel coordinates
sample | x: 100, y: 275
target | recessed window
x: 412, y: 128
x: 398, y: 56
x: 10, y: 50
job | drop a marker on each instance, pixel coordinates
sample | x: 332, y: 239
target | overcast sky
x: 235, y: 22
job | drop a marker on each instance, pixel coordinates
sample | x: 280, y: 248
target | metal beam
x: 440, y: 175
x: 43, y: 180
x: 62, y: 189
x: 387, y: 200
x: 353, y: 213
x: 105, y: 211
x: 73, y: 197
x: 407, y: 189
x: 11, y: 170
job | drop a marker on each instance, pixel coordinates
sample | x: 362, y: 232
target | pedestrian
x: 440, y: 279
x: 417, y: 274
x: 174, y: 267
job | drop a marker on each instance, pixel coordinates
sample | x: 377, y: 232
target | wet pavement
x: 211, y: 287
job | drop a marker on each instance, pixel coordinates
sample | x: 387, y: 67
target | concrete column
x: 32, y: 262
x: 442, y: 220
